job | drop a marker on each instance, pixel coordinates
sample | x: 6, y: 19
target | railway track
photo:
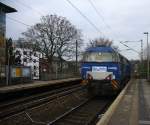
x: 84, y: 114
x: 65, y: 106
x: 12, y: 107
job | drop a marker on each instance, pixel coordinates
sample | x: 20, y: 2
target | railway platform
x: 35, y: 84
x: 131, y: 107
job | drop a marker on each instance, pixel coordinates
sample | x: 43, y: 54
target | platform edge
x: 108, y: 114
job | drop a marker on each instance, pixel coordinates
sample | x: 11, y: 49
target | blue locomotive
x: 105, y: 69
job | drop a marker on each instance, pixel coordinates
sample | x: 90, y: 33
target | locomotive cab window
x: 100, y: 57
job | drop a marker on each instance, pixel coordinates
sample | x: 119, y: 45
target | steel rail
x: 19, y: 106
x: 68, y: 112
x: 77, y: 109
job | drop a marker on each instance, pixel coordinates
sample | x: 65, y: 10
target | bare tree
x: 101, y: 42
x: 22, y: 43
x: 53, y: 36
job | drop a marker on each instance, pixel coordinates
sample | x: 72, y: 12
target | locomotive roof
x: 104, y: 49
x: 101, y: 49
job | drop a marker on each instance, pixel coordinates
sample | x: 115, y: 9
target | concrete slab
x: 144, y: 102
x: 134, y: 107
x: 126, y: 111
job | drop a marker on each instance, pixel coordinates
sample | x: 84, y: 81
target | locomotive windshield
x: 100, y: 57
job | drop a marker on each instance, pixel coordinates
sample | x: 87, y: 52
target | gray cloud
x: 128, y: 18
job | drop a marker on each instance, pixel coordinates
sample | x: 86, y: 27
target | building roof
x: 100, y: 49
x: 7, y: 9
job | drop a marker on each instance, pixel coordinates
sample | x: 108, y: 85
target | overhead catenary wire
x: 85, y: 17
x: 98, y: 13
x: 71, y: 5
x: 27, y: 6
x: 129, y: 47
x: 100, y: 16
x: 18, y: 21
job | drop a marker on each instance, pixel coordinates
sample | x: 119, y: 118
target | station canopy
x: 6, y: 8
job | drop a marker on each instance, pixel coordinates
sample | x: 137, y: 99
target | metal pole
x: 140, y: 54
x: 141, y: 50
x: 56, y: 70
x: 76, y: 55
x: 141, y: 67
x: 147, y: 58
x: 8, y: 64
x: 8, y: 67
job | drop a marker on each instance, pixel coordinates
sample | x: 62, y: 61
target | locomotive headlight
x: 109, y: 77
x: 113, y: 77
x: 99, y: 54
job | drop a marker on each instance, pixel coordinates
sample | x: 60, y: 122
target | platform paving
x: 134, y: 107
x: 144, y: 102
x: 35, y: 84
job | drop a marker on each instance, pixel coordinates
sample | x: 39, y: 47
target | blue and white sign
x: 99, y: 69
x: 85, y: 67
x: 112, y: 68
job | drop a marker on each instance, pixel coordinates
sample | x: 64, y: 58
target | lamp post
x: 147, y: 56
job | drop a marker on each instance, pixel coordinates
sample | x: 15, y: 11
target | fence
x: 46, y: 77
x: 68, y: 70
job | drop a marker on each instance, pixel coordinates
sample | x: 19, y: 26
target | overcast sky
x: 119, y: 20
